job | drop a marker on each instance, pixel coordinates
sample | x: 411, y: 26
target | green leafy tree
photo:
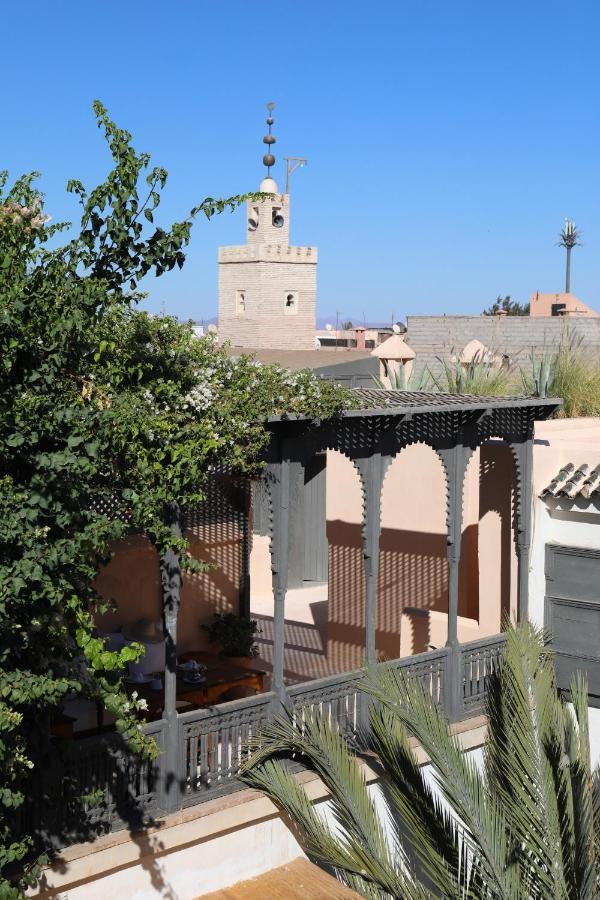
x: 524, y: 825
x: 107, y: 414
x: 508, y: 305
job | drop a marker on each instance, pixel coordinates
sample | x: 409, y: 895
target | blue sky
x: 447, y: 141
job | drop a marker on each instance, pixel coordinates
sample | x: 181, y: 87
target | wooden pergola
x: 371, y: 436
x: 202, y: 748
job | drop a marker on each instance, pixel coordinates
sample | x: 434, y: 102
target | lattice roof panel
x: 381, y: 401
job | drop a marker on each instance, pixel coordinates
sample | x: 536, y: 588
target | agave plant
x: 524, y: 823
x: 418, y: 379
x: 478, y: 377
x: 539, y: 380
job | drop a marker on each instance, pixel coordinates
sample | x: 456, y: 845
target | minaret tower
x: 268, y: 289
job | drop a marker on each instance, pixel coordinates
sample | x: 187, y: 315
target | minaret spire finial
x: 269, y: 140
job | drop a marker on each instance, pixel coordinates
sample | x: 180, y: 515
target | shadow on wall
x: 497, y: 552
x: 131, y: 582
x: 305, y: 657
x: 412, y: 586
x: 412, y: 583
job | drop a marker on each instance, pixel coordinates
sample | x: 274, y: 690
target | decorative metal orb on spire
x: 268, y: 185
x: 269, y: 140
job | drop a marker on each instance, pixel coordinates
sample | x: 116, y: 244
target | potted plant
x: 234, y: 634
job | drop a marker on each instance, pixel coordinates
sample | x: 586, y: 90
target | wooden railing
x: 479, y: 659
x: 89, y: 786
x: 212, y: 742
x: 336, y: 697
x: 120, y: 790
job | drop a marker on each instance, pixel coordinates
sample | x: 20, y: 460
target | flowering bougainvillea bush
x: 99, y: 402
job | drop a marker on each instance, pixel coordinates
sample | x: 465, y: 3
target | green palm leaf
x: 522, y: 825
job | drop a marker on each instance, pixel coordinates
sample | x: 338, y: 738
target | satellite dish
x: 252, y: 224
x: 329, y: 326
x: 396, y: 328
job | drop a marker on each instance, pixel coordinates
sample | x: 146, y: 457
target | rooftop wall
x: 433, y: 336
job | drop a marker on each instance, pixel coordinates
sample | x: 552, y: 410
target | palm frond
x: 353, y: 810
x: 455, y: 773
x: 524, y: 825
x: 523, y: 773
x: 418, y: 817
x: 585, y: 859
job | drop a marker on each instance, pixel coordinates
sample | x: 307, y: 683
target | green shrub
x: 568, y: 374
x: 234, y: 634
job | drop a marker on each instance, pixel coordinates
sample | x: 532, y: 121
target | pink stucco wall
x: 541, y: 305
x: 413, y: 574
x: 560, y: 441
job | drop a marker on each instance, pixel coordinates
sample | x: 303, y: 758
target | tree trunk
x: 568, y: 277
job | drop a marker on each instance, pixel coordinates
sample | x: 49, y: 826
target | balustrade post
x: 453, y: 686
x: 171, y: 580
x: 523, y: 453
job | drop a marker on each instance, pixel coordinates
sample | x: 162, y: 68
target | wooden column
x: 371, y: 472
x: 455, y: 461
x: 171, y: 579
x: 523, y: 454
x: 279, y: 486
x: 246, y: 504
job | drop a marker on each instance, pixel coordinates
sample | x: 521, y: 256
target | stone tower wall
x: 266, y: 274
x: 266, y: 270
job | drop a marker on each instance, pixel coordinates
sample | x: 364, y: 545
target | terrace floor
x: 298, y: 880
x: 305, y: 632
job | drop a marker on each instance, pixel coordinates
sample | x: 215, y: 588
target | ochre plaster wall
x: 498, y: 571
x: 131, y: 581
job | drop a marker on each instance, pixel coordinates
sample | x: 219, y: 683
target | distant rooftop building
x: 561, y: 304
x: 358, y: 337
x: 268, y: 289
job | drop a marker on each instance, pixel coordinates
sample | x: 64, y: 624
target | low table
x: 221, y: 676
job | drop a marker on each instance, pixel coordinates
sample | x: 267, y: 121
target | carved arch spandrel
x: 455, y: 462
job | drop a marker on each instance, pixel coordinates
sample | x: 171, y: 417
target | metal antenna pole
x: 337, y: 330
x: 291, y: 164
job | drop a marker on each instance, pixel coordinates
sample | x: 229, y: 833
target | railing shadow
x: 82, y: 789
